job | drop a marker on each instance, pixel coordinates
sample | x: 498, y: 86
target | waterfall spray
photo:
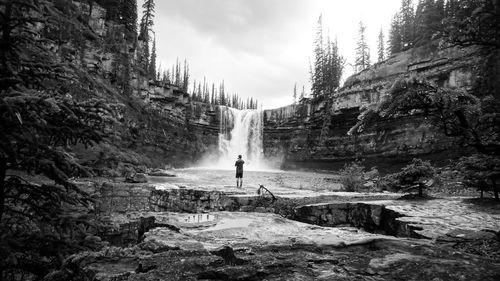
x: 240, y: 132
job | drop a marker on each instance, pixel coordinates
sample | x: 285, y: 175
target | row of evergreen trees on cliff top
x: 453, y: 22
x: 458, y: 22
x: 124, y: 12
x: 203, y: 92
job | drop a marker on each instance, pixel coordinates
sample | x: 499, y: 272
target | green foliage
x: 152, y: 62
x: 362, y: 60
x: 381, y: 46
x: 416, y: 173
x: 473, y: 22
x: 394, y: 42
x: 428, y: 16
x: 352, y: 177
x: 145, y: 28
x: 482, y: 172
x: 328, y: 64
x: 285, y: 207
x: 458, y: 22
x: 389, y: 182
x: 456, y: 112
x: 47, y: 103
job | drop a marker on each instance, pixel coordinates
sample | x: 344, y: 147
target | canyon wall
x: 313, y: 133
x: 158, y: 123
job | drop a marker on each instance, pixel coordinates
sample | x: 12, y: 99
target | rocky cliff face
x: 161, y: 125
x: 313, y: 133
x: 158, y: 123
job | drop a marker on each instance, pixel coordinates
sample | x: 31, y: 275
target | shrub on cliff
x: 352, y: 176
x: 456, y: 112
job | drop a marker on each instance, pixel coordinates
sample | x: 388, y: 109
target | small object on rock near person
x: 263, y: 189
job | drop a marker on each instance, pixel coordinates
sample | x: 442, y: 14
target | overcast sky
x: 261, y: 48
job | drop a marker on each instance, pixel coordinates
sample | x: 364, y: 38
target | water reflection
x: 199, y: 218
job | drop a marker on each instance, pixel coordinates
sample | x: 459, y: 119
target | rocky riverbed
x: 183, y: 228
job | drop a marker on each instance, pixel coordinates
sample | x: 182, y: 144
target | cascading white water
x: 241, y: 134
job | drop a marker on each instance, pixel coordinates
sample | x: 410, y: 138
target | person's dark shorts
x: 239, y: 175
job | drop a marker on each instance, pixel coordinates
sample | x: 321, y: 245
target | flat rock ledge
x: 258, y: 246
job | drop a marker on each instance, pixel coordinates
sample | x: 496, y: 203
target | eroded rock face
x: 451, y: 220
x: 362, y: 215
x: 301, y: 136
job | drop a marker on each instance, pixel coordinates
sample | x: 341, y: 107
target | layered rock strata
x: 313, y: 132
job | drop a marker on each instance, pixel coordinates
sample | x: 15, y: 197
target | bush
x: 388, y: 182
x: 482, y: 172
x: 351, y: 177
x: 416, y: 173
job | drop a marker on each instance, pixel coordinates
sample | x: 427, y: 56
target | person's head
x: 239, y: 156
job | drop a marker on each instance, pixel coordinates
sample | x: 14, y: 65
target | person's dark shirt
x: 239, y: 165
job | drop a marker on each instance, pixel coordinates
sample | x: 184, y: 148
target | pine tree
x: 166, y: 77
x: 185, y: 77
x: 474, y: 22
x: 381, y: 46
x: 222, y: 97
x: 332, y: 68
x: 47, y: 103
x: 199, y: 94
x: 295, y: 93
x: 129, y: 18
x: 146, y: 27
x: 328, y: 65
x: 212, y: 100
x: 362, y: 50
x: 177, y: 80
x: 407, y: 24
x: 395, y: 41
x: 152, y: 63
x: 428, y: 18
x: 303, y: 93
x: 317, y: 72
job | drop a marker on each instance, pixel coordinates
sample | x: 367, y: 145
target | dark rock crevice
x: 373, y: 218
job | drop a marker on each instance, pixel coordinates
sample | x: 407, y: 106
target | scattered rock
x: 369, y: 184
x: 246, y: 209
x: 136, y: 178
x: 227, y: 254
x: 260, y: 209
x: 144, y: 268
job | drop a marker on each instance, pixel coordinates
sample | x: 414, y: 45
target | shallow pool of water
x: 199, y: 218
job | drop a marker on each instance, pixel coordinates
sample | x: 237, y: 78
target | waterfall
x: 240, y: 133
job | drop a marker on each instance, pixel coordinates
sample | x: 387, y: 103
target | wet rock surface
x: 347, y: 237
x: 431, y: 219
x: 245, y: 246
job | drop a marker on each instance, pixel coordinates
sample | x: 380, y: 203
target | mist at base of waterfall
x: 205, y: 177
x: 240, y: 133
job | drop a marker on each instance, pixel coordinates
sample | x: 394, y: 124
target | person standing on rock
x: 239, y: 171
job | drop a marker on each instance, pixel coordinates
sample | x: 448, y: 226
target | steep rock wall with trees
x: 159, y: 123
x: 314, y: 133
